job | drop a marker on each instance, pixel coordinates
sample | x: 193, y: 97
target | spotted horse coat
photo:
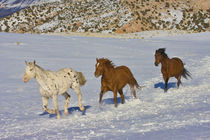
x: 54, y: 83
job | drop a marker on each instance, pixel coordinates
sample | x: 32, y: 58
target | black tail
x: 186, y: 74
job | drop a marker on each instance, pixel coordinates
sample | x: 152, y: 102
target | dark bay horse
x: 114, y: 79
x: 173, y: 67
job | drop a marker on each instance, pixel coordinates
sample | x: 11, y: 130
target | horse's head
x: 159, y: 54
x: 99, y: 67
x: 29, y: 71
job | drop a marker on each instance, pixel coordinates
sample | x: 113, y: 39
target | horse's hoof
x: 100, y: 104
x: 59, y: 117
x: 66, y: 113
x: 82, y: 109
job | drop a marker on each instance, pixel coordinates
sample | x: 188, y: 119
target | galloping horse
x: 114, y: 79
x: 173, y: 67
x: 54, y: 83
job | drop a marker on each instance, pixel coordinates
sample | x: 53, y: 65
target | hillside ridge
x: 110, y: 16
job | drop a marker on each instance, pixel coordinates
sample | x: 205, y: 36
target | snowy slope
x: 23, y: 3
x: 182, y: 113
x: 8, y: 7
x: 104, y: 16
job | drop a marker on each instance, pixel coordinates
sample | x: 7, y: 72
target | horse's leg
x: 55, y: 103
x: 178, y: 80
x: 45, y: 104
x: 79, y: 94
x: 100, y: 97
x: 122, y: 96
x: 103, y: 91
x: 166, y: 83
x: 133, y: 90
x: 67, y: 97
x: 115, y: 97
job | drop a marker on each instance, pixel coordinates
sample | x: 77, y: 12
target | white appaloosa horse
x: 54, y: 83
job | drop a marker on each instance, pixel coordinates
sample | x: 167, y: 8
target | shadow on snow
x: 162, y: 85
x: 110, y: 101
x: 70, y: 109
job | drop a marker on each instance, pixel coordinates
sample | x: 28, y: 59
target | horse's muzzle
x: 156, y: 64
x: 96, y: 75
x: 25, y: 79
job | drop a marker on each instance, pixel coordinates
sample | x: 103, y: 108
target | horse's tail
x: 136, y: 84
x: 186, y: 74
x: 82, y: 79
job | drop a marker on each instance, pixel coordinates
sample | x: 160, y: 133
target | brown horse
x: 173, y: 67
x: 114, y: 79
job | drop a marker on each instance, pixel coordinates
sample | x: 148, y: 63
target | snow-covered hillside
x: 182, y: 113
x: 7, y: 7
x: 109, y: 16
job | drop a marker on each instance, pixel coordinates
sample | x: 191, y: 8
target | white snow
x: 23, y: 3
x: 174, y: 14
x: 181, y: 114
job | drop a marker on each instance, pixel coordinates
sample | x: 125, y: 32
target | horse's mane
x: 39, y: 67
x: 108, y: 63
x: 43, y: 70
x: 162, y: 52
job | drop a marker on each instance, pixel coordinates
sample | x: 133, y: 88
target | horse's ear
x: 96, y: 59
x: 164, y: 49
x: 26, y: 62
x: 161, y: 50
x: 34, y: 62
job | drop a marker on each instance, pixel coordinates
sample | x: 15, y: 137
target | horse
x: 114, y: 79
x: 54, y: 83
x: 173, y: 67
